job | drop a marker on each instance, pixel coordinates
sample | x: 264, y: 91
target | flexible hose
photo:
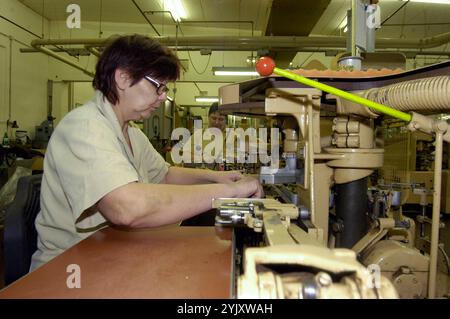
x: 428, y: 95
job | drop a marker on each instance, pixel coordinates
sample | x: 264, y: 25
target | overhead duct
x: 255, y: 43
x: 281, y: 43
x: 63, y: 59
x: 409, y: 53
x: 428, y: 95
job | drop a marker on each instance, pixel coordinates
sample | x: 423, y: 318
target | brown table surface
x: 170, y: 262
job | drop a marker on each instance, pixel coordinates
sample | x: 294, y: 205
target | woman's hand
x: 226, y: 177
x: 244, y: 186
x: 248, y: 187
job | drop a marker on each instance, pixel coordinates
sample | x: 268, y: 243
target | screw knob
x: 265, y: 66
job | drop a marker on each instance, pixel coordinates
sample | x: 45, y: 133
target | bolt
x: 338, y: 227
x: 405, y: 270
x: 257, y: 223
x: 324, y: 279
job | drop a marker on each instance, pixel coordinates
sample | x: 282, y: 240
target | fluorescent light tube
x: 234, y: 71
x: 209, y: 99
x: 176, y: 8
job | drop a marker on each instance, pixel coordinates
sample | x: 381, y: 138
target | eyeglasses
x: 160, y: 88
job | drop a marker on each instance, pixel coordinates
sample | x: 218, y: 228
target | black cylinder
x: 351, y: 212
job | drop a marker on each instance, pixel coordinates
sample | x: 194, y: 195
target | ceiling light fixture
x: 176, y: 8
x: 206, y: 99
x: 234, y: 71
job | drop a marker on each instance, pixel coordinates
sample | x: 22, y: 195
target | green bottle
x: 5, y: 139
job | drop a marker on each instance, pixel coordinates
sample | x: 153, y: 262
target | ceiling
x: 414, y: 20
x: 294, y: 17
x: 242, y: 18
x: 126, y: 11
x: 268, y: 17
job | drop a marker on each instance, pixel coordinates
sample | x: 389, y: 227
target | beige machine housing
x: 341, y: 161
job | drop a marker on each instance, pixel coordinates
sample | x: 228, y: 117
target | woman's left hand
x: 226, y: 177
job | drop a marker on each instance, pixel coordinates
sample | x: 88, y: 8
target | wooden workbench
x: 169, y: 262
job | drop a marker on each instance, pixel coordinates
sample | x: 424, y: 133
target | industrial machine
x: 331, y: 226
x: 43, y: 133
x: 413, y: 173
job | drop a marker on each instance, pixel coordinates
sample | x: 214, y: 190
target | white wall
x: 83, y: 92
x: 60, y: 100
x: 29, y: 72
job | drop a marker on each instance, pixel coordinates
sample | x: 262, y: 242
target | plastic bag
x: 8, y: 191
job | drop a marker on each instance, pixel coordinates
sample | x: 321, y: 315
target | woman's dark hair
x: 213, y: 108
x: 138, y: 55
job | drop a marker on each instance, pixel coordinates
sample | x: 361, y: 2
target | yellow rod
x: 345, y: 95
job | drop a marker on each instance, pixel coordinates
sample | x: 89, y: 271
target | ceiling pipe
x: 255, y: 43
x: 425, y: 43
x: 92, y: 50
x: 331, y: 51
x: 145, y: 17
x: 221, y: 21
x: 63, y: 59
x: 245, y: 43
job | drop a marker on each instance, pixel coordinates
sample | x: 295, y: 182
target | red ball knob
x: 265, y: 66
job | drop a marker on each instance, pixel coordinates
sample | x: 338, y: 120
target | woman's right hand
x: 248, y: 187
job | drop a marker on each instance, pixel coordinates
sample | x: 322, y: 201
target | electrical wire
x: 192, y: 62
x: 190, y: 58
x: 198, y: 88
x: 87, y: 63
x: 100, y: 20
x: 42, y: 21
x: 395, y: 12
x: 439, y: 57
x: 309, y: 56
